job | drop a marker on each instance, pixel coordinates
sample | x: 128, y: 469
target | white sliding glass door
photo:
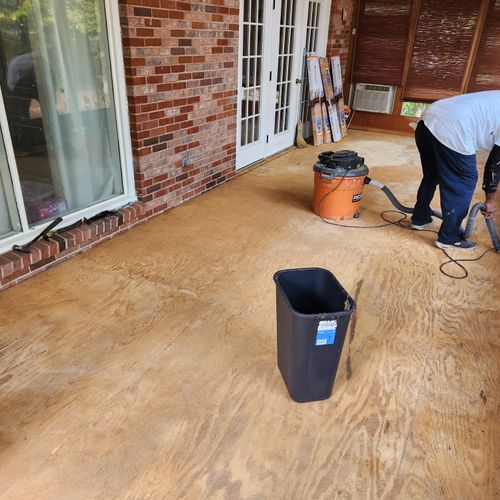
x: 59, y: 113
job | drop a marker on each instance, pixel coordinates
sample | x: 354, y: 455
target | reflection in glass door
x: 56, y: 83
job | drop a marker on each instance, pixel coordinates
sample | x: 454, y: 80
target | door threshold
x: 259, y: 163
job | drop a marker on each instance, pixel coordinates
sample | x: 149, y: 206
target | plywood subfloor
x: 146, y: 368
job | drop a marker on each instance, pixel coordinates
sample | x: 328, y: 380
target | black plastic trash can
x: 313, y: 312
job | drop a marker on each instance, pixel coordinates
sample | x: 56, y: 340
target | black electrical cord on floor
x: 457, y: 262
x: 399, y: 223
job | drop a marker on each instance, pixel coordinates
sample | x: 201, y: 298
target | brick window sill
x: 16, y: 266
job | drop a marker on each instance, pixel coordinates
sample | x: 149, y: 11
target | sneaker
x: 421, y: 227
x: 461, y: 244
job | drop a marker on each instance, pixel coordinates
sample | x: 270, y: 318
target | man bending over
x: 448, y: 136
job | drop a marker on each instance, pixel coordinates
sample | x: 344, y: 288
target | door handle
x: 298, y: 81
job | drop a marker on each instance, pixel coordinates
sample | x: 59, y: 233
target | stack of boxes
x: 327, y: 99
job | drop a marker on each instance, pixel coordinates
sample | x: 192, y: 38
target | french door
x: 273, y: 34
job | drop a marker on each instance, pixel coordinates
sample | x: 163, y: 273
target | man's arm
x: 490, y: 181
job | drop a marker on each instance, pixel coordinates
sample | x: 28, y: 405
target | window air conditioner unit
x: 374, y: 98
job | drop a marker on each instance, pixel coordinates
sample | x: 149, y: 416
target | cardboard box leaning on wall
x: 339, y: 92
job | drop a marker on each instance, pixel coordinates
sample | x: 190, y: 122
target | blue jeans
x: 456, y: 175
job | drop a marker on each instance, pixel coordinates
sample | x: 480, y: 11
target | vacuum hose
x: 489, y: 223
x: 393, y: 199
x: 470, y: 221
x: 388, y: 193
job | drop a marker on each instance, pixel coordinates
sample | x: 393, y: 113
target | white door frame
x: 246, y: 155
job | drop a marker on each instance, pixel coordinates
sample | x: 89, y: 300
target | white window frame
x: 28, y: 232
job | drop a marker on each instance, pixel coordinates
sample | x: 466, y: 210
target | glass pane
x: 9, y: 217
x: 245, y: 39
x: 246, y: 11
x: 245, y: 72
x: 253, y: 18
x: 257, y: 100
x: 244, y: 103
x: 414, y: 109
x: 258, y: 62
x: 251, y: 75
x: 59, y: 99
x: 259, y: 40
x: 256, y: 129
x: 251, y: 103
x: 243, y: 132
x: 253, y: 45
x: 250, y: 130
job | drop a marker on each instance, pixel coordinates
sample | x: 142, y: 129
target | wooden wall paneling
x: 399, y: 125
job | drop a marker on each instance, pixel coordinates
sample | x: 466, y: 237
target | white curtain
x: 72, y: 67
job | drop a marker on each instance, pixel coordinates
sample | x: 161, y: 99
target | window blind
x: 486, y: 70
x: 443, y: 41
x: 382, y: 35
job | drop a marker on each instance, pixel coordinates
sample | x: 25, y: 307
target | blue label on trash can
x: 326, y: 332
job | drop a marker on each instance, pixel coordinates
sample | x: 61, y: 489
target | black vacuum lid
x: 343, y: 163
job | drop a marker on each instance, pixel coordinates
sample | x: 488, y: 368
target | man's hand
x: 489, y: 206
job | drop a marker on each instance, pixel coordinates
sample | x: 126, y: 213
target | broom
x: 301, y: 143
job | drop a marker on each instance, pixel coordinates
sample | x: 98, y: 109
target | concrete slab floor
x: 146, y: 368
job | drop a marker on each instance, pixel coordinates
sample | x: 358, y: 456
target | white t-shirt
x: 466, y: 123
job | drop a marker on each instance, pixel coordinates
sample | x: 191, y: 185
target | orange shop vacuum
x: 339, y: 178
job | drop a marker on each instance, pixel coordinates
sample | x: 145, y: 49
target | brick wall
x: 181, y: 69
x: 339, y: 33
x: 181, y: 64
